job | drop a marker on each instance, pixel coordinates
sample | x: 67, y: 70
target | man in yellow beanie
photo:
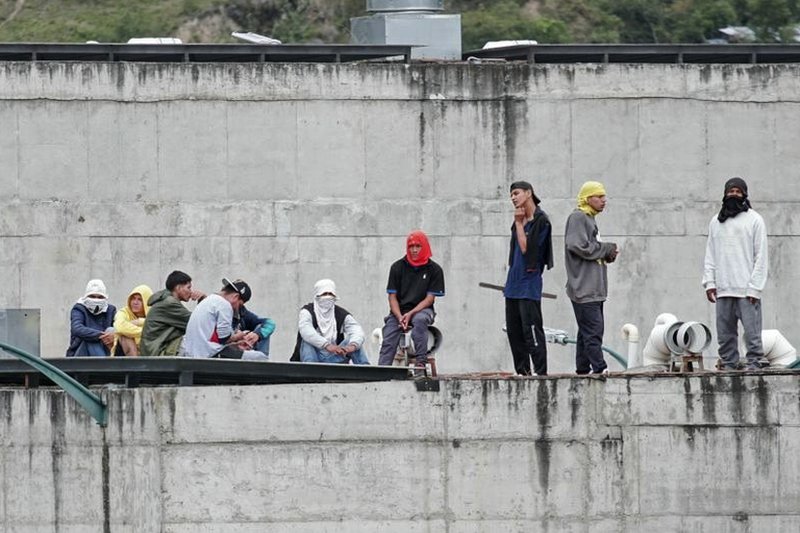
x: 587, y: 281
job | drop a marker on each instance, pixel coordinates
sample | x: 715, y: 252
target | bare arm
x: 405, y: 321
x: 522, y: 239
x: 394, y: 306
x: 424, y: 304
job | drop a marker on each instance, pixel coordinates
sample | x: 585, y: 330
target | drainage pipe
x: 656, y: 351
x: 630, y: 333
x: 778, y: 350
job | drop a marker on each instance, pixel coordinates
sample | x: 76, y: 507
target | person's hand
x: 107, y: 338
x: 197, y: 295
x: 405, y: 321
x: 138, y: 322
x: 236, y: 336
x: 752, y: 299
x: 332, y: 348
x: 350, y: 348
x: 613, y: 255
x: 711, y: 294
x: 251, y: 338
x: 519, y: 215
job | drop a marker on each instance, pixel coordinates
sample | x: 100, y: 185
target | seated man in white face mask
x: 328, y: 333
x: 91, y: 331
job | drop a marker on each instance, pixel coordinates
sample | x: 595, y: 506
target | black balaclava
x: 733, y: 205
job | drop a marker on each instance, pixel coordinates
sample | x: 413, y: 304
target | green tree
x: 588, y: 21
x: 506, y: 20
x: 642, y: 21
x: 697, y: 20
x: 767, y: 17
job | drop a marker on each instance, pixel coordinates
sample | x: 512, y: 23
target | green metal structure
x: 88, y: 400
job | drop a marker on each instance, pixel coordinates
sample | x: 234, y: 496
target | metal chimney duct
x: 415, y: 22
x: 396, y: 6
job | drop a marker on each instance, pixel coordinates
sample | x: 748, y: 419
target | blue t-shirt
x: 521, y: 284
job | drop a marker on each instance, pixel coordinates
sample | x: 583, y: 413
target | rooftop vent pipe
x: 397, y: 6
x: 421, y: 23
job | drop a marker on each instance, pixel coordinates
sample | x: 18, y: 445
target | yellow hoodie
x: 128, y: 324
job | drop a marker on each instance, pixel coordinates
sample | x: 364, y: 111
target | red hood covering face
x: 418, y: 237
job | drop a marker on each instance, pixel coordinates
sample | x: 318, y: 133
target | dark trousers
x: 419, y: 336
x: 525, y: 329
x: 730, y: 311
x: 589, y: 346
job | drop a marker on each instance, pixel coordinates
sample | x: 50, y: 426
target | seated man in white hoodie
x: 328, y: 333
x: 209, y: 332
x: 735, y: 273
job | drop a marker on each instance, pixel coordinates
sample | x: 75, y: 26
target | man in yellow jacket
x: 129, y: 321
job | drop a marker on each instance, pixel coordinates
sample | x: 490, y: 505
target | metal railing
x: 205, y: 53
x: 642, y: 53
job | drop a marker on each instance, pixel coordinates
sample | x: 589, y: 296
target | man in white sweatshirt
x: 735, y: 273
x: 210, y: 333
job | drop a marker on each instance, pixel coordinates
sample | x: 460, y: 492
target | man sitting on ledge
x: 209, y: 332
x: 167, y: 318
x: 328, y: 333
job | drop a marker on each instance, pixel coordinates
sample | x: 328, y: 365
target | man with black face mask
x: 735, y: 273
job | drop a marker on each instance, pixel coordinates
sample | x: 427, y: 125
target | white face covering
x: 324, y: 310
x: 95, y: 306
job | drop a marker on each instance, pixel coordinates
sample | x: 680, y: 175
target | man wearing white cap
x: 91, y: 321
x: 328, y: 333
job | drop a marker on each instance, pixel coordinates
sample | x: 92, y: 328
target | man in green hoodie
x: 167, y: 317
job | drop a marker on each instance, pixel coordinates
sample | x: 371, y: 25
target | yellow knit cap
x: 589, y: 189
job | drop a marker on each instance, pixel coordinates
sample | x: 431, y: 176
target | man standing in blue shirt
x: 530, y: 252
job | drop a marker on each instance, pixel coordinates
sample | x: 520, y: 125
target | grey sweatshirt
x: 584, y: 257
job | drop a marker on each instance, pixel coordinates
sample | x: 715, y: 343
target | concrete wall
x: 667, y: 454
x: 283, y: 174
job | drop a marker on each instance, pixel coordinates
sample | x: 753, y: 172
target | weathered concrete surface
x: 701, y: 453
x: 283, y: 174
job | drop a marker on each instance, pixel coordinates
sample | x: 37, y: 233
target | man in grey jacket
x: 587, y: 281
x: 735, y: 273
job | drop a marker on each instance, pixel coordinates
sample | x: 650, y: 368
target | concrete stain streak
x: 57, y: 449
x: 542, y: 443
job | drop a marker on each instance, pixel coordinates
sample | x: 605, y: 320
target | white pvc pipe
x: 630, y: 333
x: 693, y: 337
x: 656, y: 351
x: 666, y: 318
x: 777, y: 348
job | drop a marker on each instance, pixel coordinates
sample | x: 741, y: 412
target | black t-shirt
x: 413, y: 284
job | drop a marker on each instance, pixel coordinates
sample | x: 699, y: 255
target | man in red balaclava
x: 414, y: 283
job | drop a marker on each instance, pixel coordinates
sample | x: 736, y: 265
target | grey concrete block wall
x: 283, y: 174
x: 711, y: 453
